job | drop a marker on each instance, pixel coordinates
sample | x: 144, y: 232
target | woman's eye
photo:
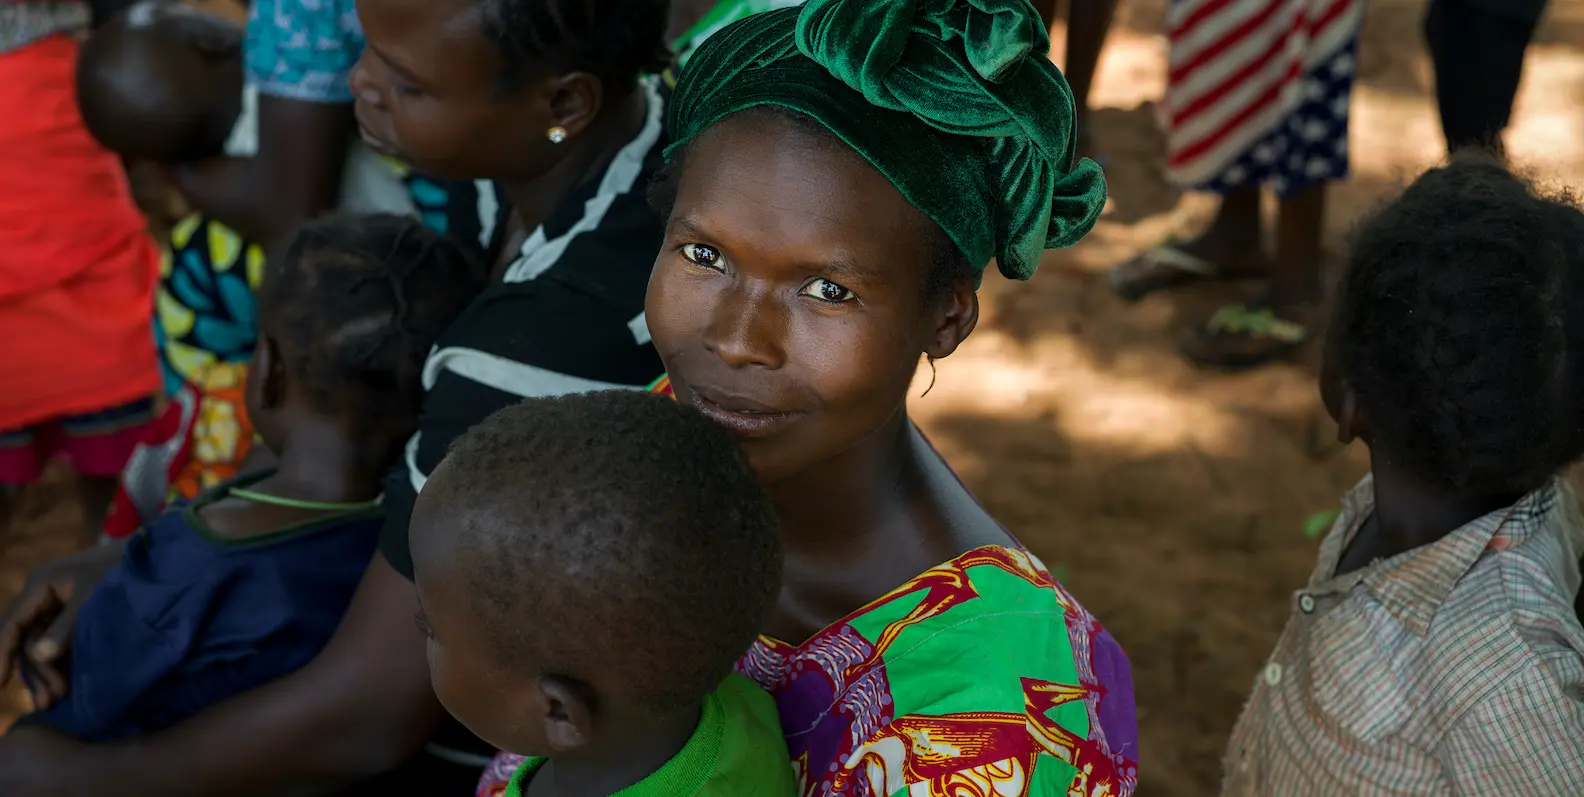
x: 703, y: 255
x: 423, y: 624
x: 827, y: 291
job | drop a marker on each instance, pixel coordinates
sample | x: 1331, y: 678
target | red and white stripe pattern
x: 1237, y: 70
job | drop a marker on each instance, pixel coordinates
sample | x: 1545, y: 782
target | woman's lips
x: 743, y: 417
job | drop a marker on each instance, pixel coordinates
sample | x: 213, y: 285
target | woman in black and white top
x: 545, y: 99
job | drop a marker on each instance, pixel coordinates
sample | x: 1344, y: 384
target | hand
x: 39, y: 623
x: 38, y: 763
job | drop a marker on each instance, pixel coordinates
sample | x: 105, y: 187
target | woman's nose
x: 746, y: 328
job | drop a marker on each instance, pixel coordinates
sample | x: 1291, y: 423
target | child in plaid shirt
x: 1435, y: 649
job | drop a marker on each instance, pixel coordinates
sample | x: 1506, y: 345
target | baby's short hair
x: 1460, y: 326
x: 357, y: 302
x: 140, y: 86
x: 613, y: 529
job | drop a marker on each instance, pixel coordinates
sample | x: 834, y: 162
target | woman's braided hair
x: 1461, y: 329
x: 358, y: 301
x: 614, y: 40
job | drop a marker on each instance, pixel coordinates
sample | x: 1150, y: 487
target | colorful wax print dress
x: 982, y: 677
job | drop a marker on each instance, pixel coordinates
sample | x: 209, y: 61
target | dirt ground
x: 1169, y: 500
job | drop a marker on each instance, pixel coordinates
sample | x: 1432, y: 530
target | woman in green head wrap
x: 842, y: 175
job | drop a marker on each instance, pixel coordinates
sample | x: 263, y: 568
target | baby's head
x: 1457, y: 350
x: 162, y: 81
x: 347, y: 315
x: 589, y: 567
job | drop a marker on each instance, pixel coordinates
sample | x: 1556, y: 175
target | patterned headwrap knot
x: 953, y: 101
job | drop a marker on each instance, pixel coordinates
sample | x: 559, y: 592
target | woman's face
x: 788, y: 299
x: 428, y: 93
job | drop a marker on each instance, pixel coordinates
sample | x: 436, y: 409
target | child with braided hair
x: 248, y: 581
x: 1435, y: 649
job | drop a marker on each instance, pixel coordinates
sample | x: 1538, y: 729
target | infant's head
x: 589, y: 566
x: 162, y: 81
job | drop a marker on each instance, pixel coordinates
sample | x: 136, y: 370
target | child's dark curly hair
x: 551, y: 501
x: 614, y: 40
x: 1460, y: 327
x: 357, y: 302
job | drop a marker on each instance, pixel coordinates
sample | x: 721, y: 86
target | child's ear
x: 1352, y: 420
x: 568, y: 713
x: 270, y: 371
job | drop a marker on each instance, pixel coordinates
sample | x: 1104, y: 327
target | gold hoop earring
x: 557, y: 134
x: 931, y: 360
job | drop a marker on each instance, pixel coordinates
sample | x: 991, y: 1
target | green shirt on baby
x: 737, y: 751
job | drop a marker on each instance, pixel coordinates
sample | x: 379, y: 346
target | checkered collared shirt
x: 1454, y: 668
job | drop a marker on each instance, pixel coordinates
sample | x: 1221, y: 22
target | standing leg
x: 1245, y: 336
x: 1047, y: 11
x: 1230, y: 248
x: 1478, y: 58
x: 99, y: 445
x: 19, y: 467
x: 1295, y: 275
x: 1088, y: 22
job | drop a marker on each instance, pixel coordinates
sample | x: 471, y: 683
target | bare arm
x: 295, y: 176
x: 362, y: 707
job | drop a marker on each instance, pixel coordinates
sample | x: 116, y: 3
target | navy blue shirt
x: 188, y: 618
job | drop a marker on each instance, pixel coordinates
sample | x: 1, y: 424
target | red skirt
x: 77, y: 266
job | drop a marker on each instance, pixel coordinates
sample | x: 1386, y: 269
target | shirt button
x: 1306, y: 603
x: 1273, y: 673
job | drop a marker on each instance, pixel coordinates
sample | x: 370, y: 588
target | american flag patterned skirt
x: 1257, y: 92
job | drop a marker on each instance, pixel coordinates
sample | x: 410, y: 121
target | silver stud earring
x: 557, y: 134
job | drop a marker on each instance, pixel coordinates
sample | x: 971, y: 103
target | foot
x: 1240, y: 336
x: 1211, y: 257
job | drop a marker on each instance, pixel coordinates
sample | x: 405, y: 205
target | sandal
x: 1164, y: 267
x: 1239, y: 337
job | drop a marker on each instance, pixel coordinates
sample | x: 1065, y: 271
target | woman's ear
x: 575, y: 101
x: 954, y: 321
x: 568, y: 713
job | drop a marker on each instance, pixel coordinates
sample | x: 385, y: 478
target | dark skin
x: 429, y: 94
x: 792, y: 283
x: 1233, y: 242
x: 1088, y: 22
x: 599, y: 737
x: 194, y: 55
x: 364, y: 705
x: 1410, y: 511
x: 295, y: 176
x: 323, y: 456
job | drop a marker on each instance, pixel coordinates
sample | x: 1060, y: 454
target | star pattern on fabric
x: 1311, y: 146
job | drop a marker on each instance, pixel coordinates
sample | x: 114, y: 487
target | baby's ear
x: 216, y: 39
x: 568, y: 713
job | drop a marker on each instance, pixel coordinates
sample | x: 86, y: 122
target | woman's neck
x: 588, y: 154
x: 839, y: 504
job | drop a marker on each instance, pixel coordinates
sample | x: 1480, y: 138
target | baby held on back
x: 589, y: 569
x: 164, y: 82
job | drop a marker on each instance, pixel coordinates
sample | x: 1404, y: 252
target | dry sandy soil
x: 1170, y: 500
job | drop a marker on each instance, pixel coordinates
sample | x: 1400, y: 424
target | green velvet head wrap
x: 954, y: 101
